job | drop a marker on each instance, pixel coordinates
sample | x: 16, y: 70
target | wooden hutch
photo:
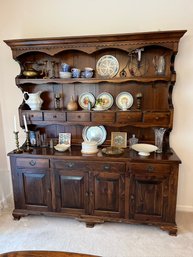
x: 96, y: 188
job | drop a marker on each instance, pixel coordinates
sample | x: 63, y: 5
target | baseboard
x: 6, y: 203
x: 185, y: 208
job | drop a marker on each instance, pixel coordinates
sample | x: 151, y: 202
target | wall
x: 45, y: 18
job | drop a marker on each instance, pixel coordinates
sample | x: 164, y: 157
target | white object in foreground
x: 61, y: 147
x: 144, y: 149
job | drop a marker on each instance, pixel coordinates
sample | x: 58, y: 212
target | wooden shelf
x: 20, y: 81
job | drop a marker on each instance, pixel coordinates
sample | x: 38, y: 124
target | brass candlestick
x: 17, y: 150
x: 28, y: 148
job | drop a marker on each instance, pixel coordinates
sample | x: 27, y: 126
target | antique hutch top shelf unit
x: 98, y: 188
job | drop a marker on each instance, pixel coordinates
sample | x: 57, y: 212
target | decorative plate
x: 144, y: 149
x: 124, y: 100
x: 84, y: 99
x: 107, y: 100
x: 112, y: 150
x: 94, y: 133
x: 107, y: 66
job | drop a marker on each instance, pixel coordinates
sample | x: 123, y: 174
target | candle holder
x: 18, y: 149
x: 57, y: 101
x: 27, y: 143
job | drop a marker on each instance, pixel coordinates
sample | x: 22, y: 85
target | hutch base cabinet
x: 133, y: 75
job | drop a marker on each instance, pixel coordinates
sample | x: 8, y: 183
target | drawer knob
x: 107, y: 167
x: 70, y: 164
x: 32, y: 163
x: 150, y: 168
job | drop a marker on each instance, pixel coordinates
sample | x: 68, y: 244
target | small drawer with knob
x: 78, y: 116
x: 54, y: 116
x: 150, y: 168
x: 157, y: 118
x: 128, y: 116
x: 32, y: 116
x: 109, y: 166
x: 32, y: 163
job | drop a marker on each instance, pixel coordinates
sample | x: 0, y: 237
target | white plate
x: 94, y: 133
x: 107, y: 100
x: 124, y: 100
x: 144, y: 149
x: 84, y: 99
x: 107, y: 66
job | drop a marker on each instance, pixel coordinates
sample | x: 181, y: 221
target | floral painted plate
x: 106, y: 100
x: 124, y: 100
x: 84, y: 100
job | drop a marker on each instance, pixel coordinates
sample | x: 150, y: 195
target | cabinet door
x: 71, y: 191
x: 33, y: 190
x: 107, y: 191
x: 151, y: 192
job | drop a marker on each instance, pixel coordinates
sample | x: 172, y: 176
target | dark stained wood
x: 98, y: 188
x: 34, y: 253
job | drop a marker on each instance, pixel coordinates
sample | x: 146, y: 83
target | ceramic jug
x: 72, y: 105
x: 33, y: 100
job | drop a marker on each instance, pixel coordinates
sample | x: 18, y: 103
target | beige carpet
x: 107, y: 240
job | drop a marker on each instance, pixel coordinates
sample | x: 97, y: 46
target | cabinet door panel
x: 108, y: 194
x: 33, y: 189
x: 149, y: 194
x: 71, y: 191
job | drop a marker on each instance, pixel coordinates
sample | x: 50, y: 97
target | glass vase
x: 159, y: 135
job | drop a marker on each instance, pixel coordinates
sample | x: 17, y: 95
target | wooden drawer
x: 70, y: 165
x: 157, y: 118
x: 58, y: 116
x: 33, y: 115
x: 127, y: 117
x: 88, y: 166
x: 78, y: 116
x: 150, y: 168
x: 109, y: 166
x: 32, y: 163
x: 103, y: 117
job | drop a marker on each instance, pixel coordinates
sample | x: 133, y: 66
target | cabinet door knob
x: 32, y: 163
x: 150, y: 168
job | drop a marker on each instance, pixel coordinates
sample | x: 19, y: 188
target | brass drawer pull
x: 32, y: 163
x: 107, y: 167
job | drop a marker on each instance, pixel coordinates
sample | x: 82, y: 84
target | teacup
x: 88, y: 72
x: 65, y: 67
x: 75, y: 72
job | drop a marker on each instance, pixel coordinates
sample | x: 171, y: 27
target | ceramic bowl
x: 144, y: 149
x: 61, y: 147
x: 65, y: 74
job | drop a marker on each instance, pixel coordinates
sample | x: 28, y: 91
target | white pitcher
x: 34, y: 101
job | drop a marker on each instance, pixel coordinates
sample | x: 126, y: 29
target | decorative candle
x: 15, y: 125
x: 25, y: 123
